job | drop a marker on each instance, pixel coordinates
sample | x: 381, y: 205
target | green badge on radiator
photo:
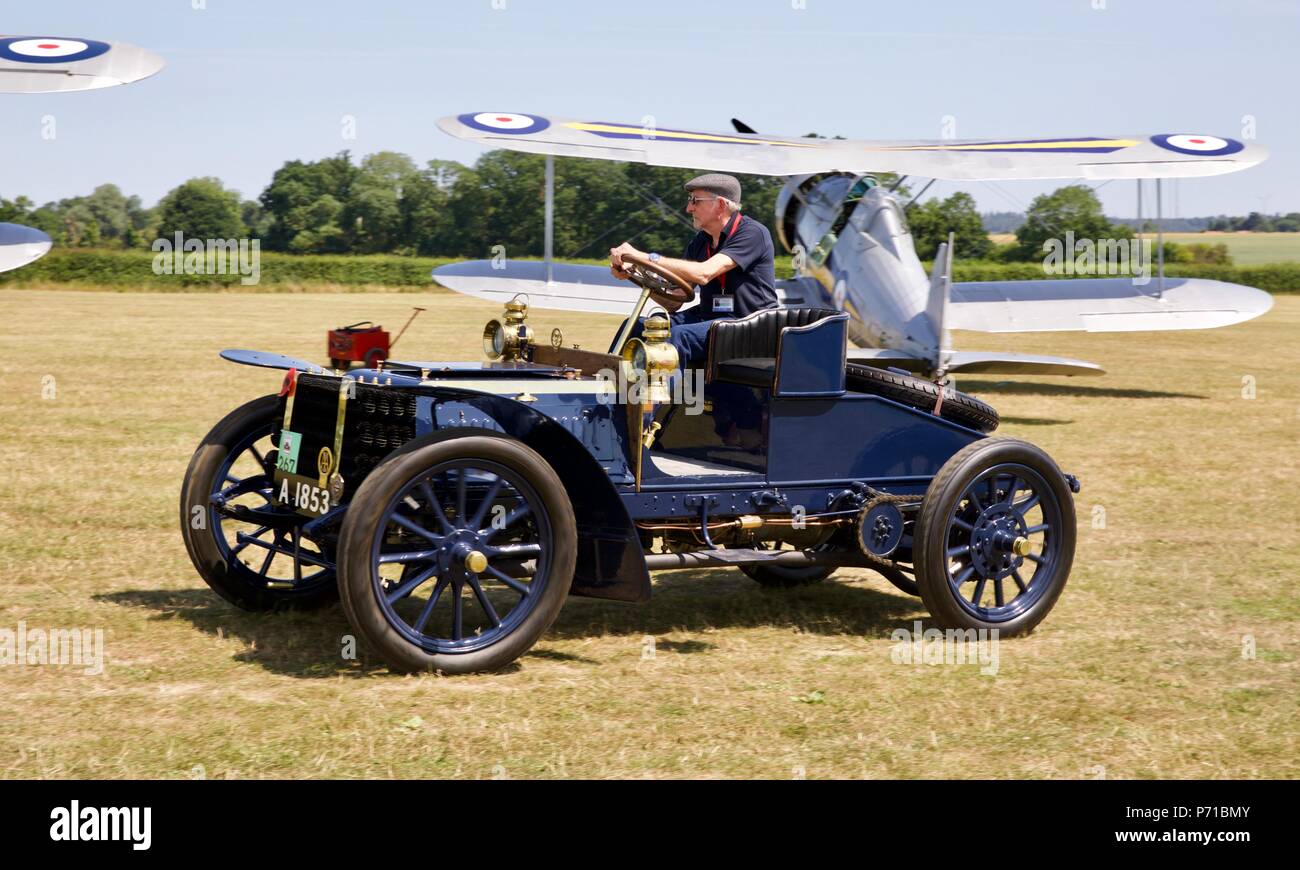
x: 290, y: 442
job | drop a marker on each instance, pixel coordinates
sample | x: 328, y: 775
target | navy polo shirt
x: 752, y: 283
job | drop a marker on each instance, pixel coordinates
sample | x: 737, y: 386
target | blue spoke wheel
x: 995, y: 537
x: 457, y: 554
x: 247, y: 548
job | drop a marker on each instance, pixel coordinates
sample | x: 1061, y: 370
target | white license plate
x: 303, y: 496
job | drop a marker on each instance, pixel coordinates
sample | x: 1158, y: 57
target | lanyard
x: 708, y: 249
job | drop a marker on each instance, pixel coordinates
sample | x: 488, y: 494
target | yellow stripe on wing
x: 1014, y: 146
x: 681, y: 135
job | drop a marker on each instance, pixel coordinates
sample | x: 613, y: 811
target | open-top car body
x: 454, y: 506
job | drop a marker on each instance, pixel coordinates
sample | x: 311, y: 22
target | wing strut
x: 1160, y: 242
x: 549, y: 234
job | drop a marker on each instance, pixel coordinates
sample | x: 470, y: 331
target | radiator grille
x: 378, y: 421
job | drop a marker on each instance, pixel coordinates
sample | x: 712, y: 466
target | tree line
x: 387, y: 203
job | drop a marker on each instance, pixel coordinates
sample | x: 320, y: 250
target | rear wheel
x: 457, y: 555
x: 995, y: 538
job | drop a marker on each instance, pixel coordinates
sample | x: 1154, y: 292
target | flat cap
x: 716, y: 183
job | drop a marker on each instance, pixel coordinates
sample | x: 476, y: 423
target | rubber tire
x: 787, y: 577
x: 930, y: 547
x: 783, y: 577
x: 366, y: 511
x: 901, y: 581
x: 959, y: 407
x: 212, y: 567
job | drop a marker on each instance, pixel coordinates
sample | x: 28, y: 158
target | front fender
x: 610, y: 560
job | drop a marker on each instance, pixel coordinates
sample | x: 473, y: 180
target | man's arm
x: 699, y: 273
x: 695, y: 273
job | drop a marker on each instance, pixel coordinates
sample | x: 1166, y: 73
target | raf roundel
x: 1198, y: 144
x: 50, y: 49
x: 505, y: 122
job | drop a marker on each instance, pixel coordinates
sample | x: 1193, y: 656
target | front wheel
x: 456, y: 556
x: 995, y: 537
x: 249, y: 549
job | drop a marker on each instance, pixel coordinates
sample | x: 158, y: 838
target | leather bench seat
x: 751, y: 371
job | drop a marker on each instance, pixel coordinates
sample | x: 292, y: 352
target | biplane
x: 48, y: 64
x: 854, y: 251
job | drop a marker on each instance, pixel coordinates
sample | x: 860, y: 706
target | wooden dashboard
x: 590, y: 362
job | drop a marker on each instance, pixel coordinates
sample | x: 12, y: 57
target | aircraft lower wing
x: 1102, y: 305
x: 976, y: 362
x: 579, y: 287
x: 20, y: 245
x: 572, y: 288
x: 1162, y: 155
x: 44, y: 64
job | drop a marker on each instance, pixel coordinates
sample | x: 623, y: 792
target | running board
x: 722, y: 556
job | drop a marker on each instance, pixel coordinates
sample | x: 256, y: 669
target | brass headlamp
x: 508, y: 337
x: 651, y: 359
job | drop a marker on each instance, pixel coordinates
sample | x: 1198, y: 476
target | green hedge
x: 134, y: 270
x: 1273, y: 277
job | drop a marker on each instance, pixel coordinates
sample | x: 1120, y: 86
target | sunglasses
x: 695, y: 200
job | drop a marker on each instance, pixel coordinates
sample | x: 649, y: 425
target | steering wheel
x: 659, y: 280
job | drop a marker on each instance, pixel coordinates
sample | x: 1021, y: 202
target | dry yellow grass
x: 1138, y: 672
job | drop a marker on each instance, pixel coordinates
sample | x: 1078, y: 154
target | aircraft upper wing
x: 1101, y: 305
x: 20, y: 245
x: 1165, y: 155
x: 43, y: 64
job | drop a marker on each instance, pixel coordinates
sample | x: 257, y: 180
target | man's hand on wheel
x: 616, y: 259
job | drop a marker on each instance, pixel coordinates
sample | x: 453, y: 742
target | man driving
x: 730, y: 259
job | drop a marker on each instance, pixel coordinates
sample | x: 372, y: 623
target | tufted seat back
x: 756, y: 336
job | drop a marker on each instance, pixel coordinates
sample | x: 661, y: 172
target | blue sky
x: 249, y: 85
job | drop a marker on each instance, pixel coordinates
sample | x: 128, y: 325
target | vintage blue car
x: 454, y: 506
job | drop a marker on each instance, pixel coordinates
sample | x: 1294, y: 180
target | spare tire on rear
x: 958, y: 407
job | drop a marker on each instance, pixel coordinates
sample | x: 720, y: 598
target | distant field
x: 1173, y: 652
x: 1247, y: 249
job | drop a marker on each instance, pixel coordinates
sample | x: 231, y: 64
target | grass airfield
x: 1246, y: 248
x: 1172, y: 653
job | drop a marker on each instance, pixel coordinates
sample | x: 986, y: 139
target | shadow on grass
x: 300, y: 643
x: 725, y: 598
x: 309, y: 644
x: 1030, y: 388
x: 1036, y: 421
